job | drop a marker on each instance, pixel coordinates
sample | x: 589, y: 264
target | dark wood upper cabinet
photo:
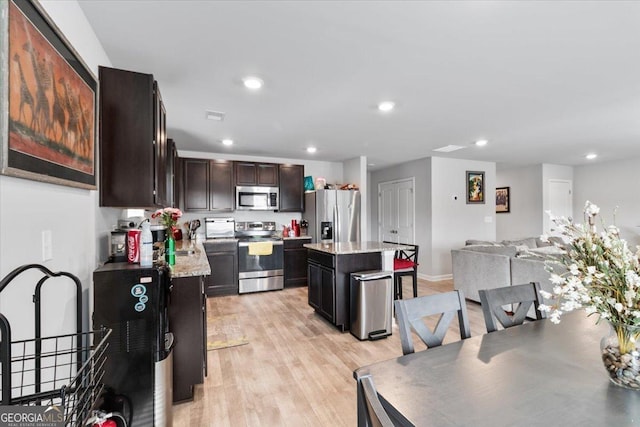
x: 291, y: 188
x: 221, y: 196
x: 195, y: 187
x: 260, y: 174
x: 133, y: 141
x: 172, y: 161
x: 207, y: 185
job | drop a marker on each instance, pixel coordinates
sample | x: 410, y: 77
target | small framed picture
x: 503, y: 202
x: 475, y: 187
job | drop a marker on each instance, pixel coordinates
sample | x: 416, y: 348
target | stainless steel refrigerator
x: 333, y: 215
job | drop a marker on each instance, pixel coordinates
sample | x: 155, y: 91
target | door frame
x: 413, y: 195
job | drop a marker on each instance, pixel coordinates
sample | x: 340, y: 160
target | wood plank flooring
x: 297, y: 368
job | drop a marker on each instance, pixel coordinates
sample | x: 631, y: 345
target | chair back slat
x: 411, y: 313
x: 376, y: 415
x: 522, y: 297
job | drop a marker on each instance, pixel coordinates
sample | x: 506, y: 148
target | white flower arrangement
x: 602, y: 277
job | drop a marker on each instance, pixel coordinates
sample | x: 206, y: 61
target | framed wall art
x: 475, y: 187
x: 503, y: 202
x: 48, y: 98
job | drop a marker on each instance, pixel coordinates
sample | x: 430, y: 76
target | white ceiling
x: 543, y: 81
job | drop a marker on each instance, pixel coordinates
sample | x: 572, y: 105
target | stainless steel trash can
x: 371, y: 304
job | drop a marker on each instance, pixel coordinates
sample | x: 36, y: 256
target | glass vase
x: 170, y: 249
x: 621, y: 355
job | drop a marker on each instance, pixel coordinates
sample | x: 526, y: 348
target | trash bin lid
x: 372, y: 275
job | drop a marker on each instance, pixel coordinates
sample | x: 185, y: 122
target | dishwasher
x: 371, y: 304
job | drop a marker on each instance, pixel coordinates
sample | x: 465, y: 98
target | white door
x: 560, y: 201
x: 396, y: 201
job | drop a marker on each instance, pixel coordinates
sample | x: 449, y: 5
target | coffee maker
x: 118, y: 246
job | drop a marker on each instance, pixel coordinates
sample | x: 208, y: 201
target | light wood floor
x: 297, y: 368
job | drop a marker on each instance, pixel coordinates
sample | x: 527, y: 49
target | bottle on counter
x: 146, y: 245
x: 170, y: 250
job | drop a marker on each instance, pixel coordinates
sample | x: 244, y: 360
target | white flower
x: 590, y: 309
x: 544, y: 238
x: 555, y: 317
x: 573, y: 268
x: 618, y: 306
x: 591, y: 269
x: 591, y: 209
x: 544, y: 294
x: 544, y: 308
x: 556, y: 279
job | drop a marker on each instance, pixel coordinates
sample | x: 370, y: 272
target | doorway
x: 396, y: 211
x: 560, y: 201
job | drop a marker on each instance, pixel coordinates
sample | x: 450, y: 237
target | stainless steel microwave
x: 257, y: 198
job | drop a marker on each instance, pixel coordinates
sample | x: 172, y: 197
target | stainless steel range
x: 260, y: 257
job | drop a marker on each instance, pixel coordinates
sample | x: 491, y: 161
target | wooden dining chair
x: 410, y: 316
x: 519, y: 298
x: 374, y: 411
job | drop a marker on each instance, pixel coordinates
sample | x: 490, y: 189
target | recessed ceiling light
x: 591, y: 156
x: 481, y: 142
x: 311, y: 150
x: 227, y: 142
x: 252, y: 83
x: 386, y: 106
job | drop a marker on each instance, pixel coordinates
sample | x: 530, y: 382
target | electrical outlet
x: 47, y: 246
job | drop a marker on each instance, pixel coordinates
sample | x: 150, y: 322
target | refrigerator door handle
x: 336, y: 223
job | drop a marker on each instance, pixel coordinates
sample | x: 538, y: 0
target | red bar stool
x: 405, y: 263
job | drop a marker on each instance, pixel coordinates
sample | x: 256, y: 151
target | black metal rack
x: 64, y: 370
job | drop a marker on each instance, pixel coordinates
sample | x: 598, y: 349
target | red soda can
x: 133, y: 246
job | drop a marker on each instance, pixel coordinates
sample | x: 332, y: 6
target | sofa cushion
x: 543, y: 253
x: 529, y: 242
x: 498, y: 250
x: 481, y: 243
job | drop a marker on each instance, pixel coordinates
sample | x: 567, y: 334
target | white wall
x: 613, y: 186
x: 455, y: 221
x: 524, y: 218
x: 355, y: 172
x: 331, y: 171
x: 27, y: 208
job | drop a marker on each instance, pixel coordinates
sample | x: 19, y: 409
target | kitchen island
x: 188, y: 318
x: 329, y: 269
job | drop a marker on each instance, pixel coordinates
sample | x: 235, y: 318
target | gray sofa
x: 488, y: 265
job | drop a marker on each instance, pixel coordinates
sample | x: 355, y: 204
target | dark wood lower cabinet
x: 223, y: 259
x: 329, y: 278
x: 295, y: 262
x: 188, y: 323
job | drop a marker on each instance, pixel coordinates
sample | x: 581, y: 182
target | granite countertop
x: 296, y: 238
x: 191, y: 260
x: 345, y: 248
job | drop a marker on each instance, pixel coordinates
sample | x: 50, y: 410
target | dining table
x: 536, y: 374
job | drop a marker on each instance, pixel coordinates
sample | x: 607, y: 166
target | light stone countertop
x: 296, y: 238
x: 194, y: 263
x: 345, y: 248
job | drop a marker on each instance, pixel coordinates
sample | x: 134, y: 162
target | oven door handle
x: 275, y: 243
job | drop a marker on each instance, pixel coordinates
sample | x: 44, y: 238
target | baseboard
x: 435, y: 278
